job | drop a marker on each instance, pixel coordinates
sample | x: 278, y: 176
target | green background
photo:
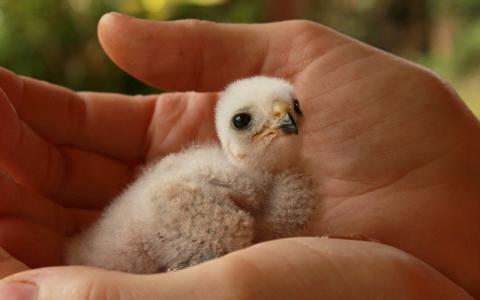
x: 55, y: 40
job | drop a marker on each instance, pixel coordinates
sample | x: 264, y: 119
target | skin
x: 393, y: 150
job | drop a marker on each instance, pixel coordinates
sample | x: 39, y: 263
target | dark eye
x: 241, y: 121
x: 296, y: 107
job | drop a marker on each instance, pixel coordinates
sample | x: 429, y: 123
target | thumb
x: 88, y: 283
x: 299, y: 268
x: 205, y: 56
x: 179, y: 55
x: 72, y: 283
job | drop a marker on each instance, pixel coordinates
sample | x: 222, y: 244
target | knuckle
x: 239, y: 278
x: 77, y: 114
x: 303, y: 26
x: 196, y: 24
x: 97, y: 290
x: 435, y: 86
x: 8, y: 193
x: 85, y: 284
x: 11, y: 134
x: 432, y: 79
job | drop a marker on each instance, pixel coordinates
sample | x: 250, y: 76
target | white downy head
x: 257, y: 121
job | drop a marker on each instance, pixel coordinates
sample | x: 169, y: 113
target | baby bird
x: 207, y: 201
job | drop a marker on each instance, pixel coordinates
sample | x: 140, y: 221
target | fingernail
x: 118, y: 15
x: 17, y: 290
x: 113, y: 17
x: 115, y: 14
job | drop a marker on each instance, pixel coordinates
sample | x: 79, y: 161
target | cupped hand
x: 392, y: 148
x: 65, y: 155
x: 299, y: 268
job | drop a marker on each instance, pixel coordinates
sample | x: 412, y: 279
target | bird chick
x: 206, y: 201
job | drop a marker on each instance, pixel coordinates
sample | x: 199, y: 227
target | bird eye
x: 241, y: 121
x: 296, y: 107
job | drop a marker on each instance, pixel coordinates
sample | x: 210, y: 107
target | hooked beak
x: 285, y: 122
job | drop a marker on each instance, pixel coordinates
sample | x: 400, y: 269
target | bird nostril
x: 280, y: 107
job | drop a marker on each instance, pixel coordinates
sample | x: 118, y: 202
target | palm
x: 388, y: 142
x: 394, y: 156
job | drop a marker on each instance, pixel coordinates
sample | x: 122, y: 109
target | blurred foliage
x: 55, y: 40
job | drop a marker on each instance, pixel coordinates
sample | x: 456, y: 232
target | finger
x: 303, y: 268
x: 116, y: 125
x: 9, y: 265
x: 16, y: 201
x: 315, y: 268
x: 71, y: 176
x: 19, y: 202
x: 34, y: 245
x: 86, y: 180
x: 111, y: 124
x: 204, y: 56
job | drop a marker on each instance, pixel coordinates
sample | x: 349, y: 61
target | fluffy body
x: 206, y: 201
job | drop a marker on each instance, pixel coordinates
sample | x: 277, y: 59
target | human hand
x: 9, y: 265
x: 64, y: 163
x: 297, y: 268
x: 67, y: 154
x: 388, y: 141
